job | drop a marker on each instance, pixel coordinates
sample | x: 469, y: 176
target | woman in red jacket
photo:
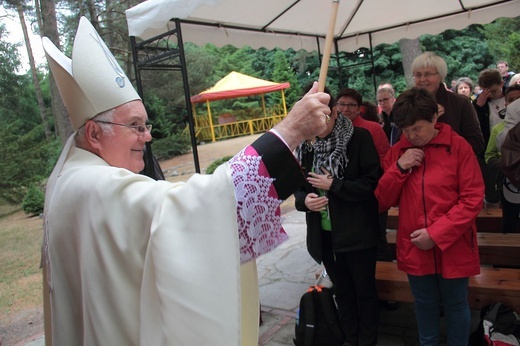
x: 432, y: 174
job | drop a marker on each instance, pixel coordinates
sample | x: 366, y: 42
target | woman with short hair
x: 434, y: 178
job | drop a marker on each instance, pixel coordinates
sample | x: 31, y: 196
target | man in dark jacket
x: 489, y: 105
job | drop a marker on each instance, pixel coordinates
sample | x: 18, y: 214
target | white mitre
x: 92, y: 82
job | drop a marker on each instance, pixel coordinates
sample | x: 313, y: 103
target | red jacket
x: 443, y: 195
x: 377, y: 133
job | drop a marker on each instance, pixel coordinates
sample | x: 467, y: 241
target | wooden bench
x: 488, y: 220
x: 492, y: 285
x: 498, y: 249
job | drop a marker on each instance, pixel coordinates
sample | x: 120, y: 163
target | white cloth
x: 510, y: 120
x: 134, y: 261
x: 150, y: 18
x: 495, y: 106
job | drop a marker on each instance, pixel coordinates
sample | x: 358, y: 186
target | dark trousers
x: 383, y: 249
x: 353, y: 275
x: 490, y: 176
x: 510, y: 218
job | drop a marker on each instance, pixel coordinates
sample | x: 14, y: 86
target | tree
x: 389, y: 66
x: 503, y: 37
x: 49, y: 28
x: 307, y: 66
x: 20, y: 6
x: 465, y: 51
x: 283, y: 72
x: 26, y: 156
x: 410, y: 49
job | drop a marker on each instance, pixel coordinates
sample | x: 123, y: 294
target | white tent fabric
x: 301, y: 24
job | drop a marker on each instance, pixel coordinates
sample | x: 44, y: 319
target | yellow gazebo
x: 236, y: 85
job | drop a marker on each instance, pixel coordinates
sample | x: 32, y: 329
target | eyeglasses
x: 139, y: 129
x: 348, y: 105
x: 426, y: 75
x: 383, y: 100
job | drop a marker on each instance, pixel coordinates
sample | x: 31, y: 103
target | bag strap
x: 330, y: 313
x: 309, y: 317
x: 491, y: 315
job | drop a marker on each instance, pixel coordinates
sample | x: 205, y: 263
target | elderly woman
x: 464, y: 87
x: 429, y: 71
x: 434, y: 178
x: 343, y: 167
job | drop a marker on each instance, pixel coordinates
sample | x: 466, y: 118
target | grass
x: 20, y: 276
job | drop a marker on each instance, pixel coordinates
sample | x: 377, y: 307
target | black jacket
x: 352, y: 204
x: 483, y: 118
x: 461, y: 116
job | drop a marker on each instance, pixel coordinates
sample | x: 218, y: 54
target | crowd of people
x: 440, y: 163
x: 495, y: 89
x: 128, y: 260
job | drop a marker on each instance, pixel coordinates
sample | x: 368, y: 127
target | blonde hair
x: 515, y: 79
x: 430, y: 59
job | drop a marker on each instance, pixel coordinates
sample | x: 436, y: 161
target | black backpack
x: 499, y: 325
x: 317, y: 320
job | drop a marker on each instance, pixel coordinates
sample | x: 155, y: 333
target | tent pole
x: 284, y: 105
x: 338, y: 63
x: 373, y: 66
x: 137, y: 72
x: 194, y: 111
x: 187, y: 101
x: 263, y: 106
x: 210, y: 118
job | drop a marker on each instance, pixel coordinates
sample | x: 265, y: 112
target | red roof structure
x: 236, y: 85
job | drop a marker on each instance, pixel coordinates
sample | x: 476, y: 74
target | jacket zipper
x: 425, y: 212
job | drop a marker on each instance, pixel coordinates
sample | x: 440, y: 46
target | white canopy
x: 301, y: 24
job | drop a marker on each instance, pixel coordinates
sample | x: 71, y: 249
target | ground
x: 21, y: 316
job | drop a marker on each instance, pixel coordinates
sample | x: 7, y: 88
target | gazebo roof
x: 236, y: 85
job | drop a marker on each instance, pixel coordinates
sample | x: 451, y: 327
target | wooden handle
x: 328, y: 47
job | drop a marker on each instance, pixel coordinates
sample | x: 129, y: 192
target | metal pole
x: 184, y: 71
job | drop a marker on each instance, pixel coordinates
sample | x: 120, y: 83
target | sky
x: 12, y: 23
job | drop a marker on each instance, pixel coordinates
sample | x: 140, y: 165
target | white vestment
x: 135, y: 261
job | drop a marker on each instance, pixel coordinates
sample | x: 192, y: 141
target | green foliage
x: 214, y: 165
x: 465, y: 51
x: 245, y: 110
x: 503, y: 37
x: 262, y: 63
x: 169, y: 147
x: 165, y: 123
x: 230, y: 59
x: 356, y: 72
x: 25, y: 158
x: 307, y: 66
x: 241, y: 104
x: 33, y: 202
x: 17, y: 98
x: 388, y: 66
x: 283, y: 72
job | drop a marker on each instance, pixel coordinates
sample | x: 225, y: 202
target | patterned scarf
x: 330, y: 152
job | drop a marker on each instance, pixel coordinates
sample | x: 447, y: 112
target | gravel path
x: 180, y: 168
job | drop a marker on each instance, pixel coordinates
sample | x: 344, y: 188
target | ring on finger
x: 327, y: 118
